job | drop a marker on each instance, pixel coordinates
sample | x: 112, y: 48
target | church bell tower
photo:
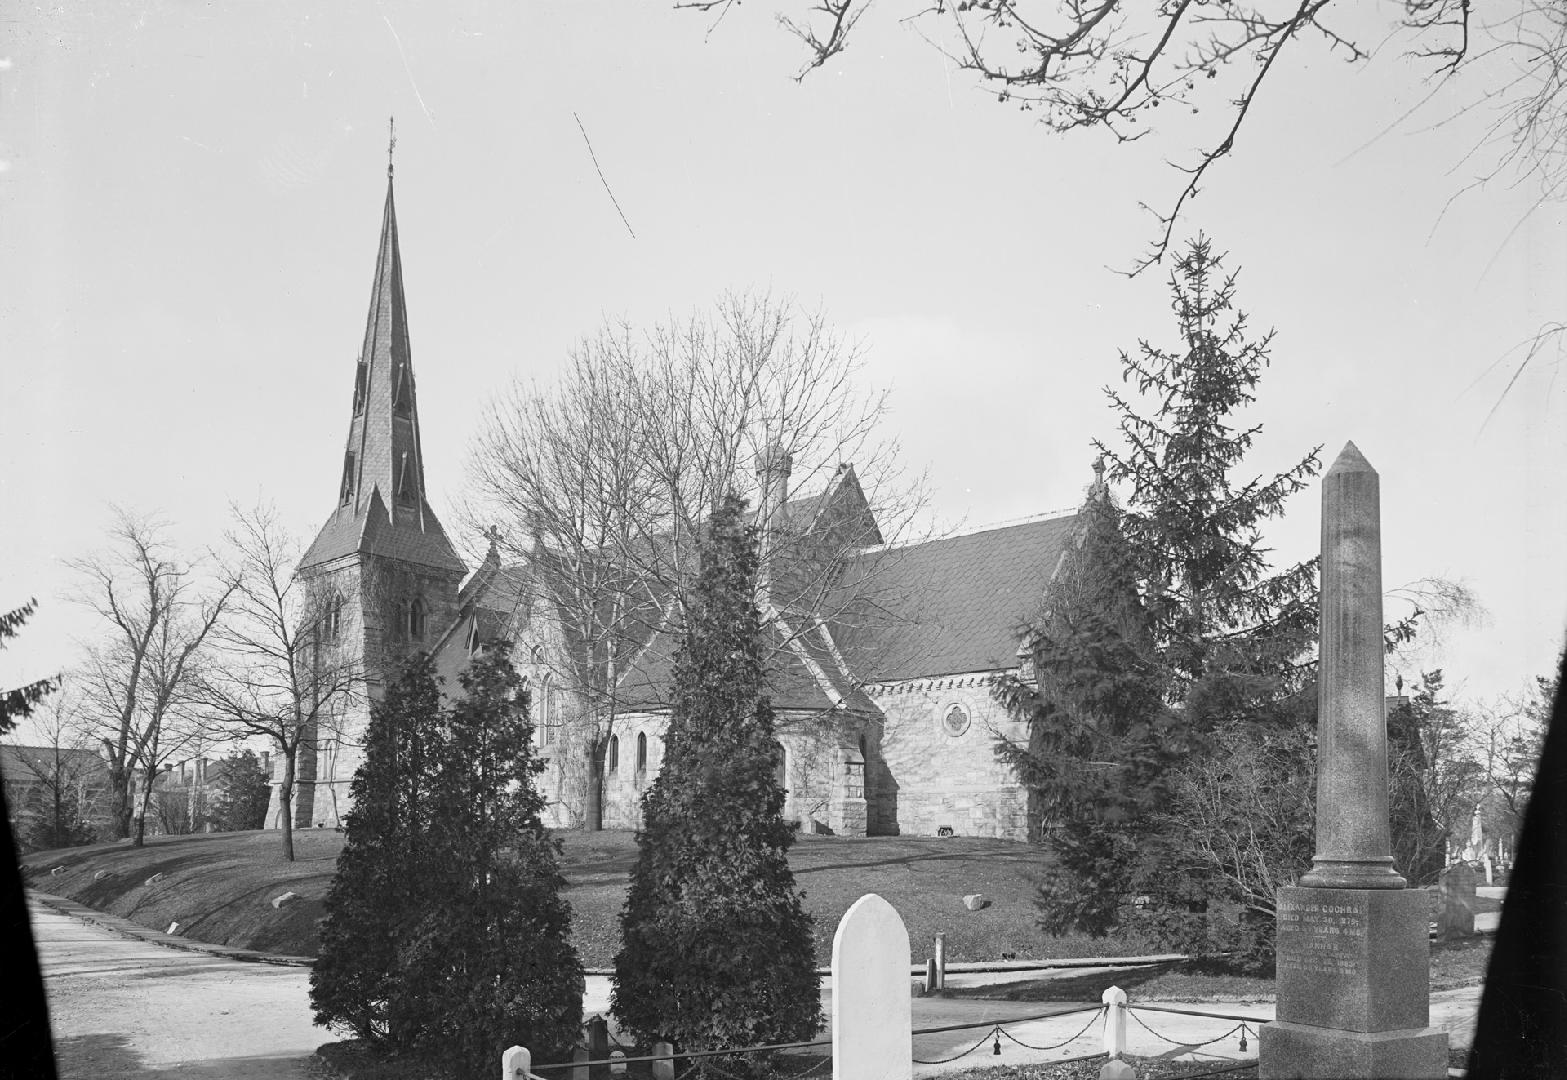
x: 382, y: 559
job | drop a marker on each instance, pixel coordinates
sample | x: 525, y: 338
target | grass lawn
x: 219, y: 888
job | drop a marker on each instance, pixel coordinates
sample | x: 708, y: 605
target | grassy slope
x: 219, y: 888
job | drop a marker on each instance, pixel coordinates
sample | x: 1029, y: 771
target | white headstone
x: 617, y: 1063
x: 872, y: 1017
x: 516, y: 1063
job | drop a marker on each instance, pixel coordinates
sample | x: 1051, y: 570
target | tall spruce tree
x: 716, y: 946
x: 1166, y: 623
x: 1228, y: 629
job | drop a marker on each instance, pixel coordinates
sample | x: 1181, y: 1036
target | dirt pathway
x: 128, y: 1009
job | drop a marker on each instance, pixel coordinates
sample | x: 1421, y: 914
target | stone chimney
x: 772, y: 482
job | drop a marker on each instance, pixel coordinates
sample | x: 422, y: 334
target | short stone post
x: 1114, y: 1000
x: 598, y: 1044
x: 872, y: 1017
x: 1115, y: 1036
x: 930, y: 975
x: 617, y: 1063
x: 579, y: 1063
x: 664, y: 1067
x: 941, y: 961
x: 516, y: 1063
x: 1353, y: 960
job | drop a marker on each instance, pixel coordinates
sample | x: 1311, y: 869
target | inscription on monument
x: 1324, y: 937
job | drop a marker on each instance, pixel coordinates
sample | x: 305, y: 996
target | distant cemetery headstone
x: 1455, y: 914
x: 285, y: 898
x: 1353, y: 959
x: 155, y: 878
x: 976, y: 901
x: 872, y: 1018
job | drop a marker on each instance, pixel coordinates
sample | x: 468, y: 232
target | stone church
x: 888, y: 724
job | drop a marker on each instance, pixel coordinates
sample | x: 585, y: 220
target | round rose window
x: 955, y: 720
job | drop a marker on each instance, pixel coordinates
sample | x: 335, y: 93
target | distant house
x: 34, y: 774
x: 885, y: 708
x: 182, y: 793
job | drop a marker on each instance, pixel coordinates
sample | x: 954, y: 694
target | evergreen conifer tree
x: 383, y: 879
x: 446, y: 930
x: 492, y: 961
x: 1167, y: 623
x: 716, y: 946
x: 1100, y: 735
x: 1228, y: 630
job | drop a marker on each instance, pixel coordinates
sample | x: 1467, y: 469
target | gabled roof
x: 950, y: 606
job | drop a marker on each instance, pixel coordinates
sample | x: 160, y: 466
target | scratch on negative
x: 404, y: 57
x: 603, y: 181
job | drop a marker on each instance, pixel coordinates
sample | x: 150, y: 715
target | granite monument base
x: 1300, y: 1052
x: 1353, y: 987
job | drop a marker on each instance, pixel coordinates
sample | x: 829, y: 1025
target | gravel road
x: 126, y: 1009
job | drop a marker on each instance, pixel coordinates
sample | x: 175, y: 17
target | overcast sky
x: 191, y: 196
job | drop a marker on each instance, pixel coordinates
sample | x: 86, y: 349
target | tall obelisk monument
x: 1353, y: 982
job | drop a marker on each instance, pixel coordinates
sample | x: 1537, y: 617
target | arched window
x: 782, y: 775
x: 332, y: 618
x: 416, y: 620
x: 614, y: 753
x: 544, y: 709
x: 641, y: 752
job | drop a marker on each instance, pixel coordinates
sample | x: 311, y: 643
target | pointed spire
x: 381, y: 493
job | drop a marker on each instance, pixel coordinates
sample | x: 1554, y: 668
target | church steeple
x: 381, y: 501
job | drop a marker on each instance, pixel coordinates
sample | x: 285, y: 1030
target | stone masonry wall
x: 331, y: 755
x: 923, y: 777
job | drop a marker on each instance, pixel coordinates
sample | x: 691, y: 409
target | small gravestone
x: 976, y: 901
x: 174, y: 928
x: 155, y: 878
x: 286, y: 898
x: 664, y: 1066
x: 57, y: 870
x: 1455, y: 889
x: 100, y: 875
x: 871, y: 1013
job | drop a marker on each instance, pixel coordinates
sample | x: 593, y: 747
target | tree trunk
x: 141, y: 818
x: 120, y: 801
x: 593, y: 812
x: 285, y: 800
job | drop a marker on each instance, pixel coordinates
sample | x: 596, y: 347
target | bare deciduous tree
x: 603, y: 483
x: 1131, y: 69
x: 286, y: 672
x: 159, y: 612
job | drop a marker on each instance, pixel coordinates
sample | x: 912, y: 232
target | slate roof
x: 951, y: 606
x: 371, y: 532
